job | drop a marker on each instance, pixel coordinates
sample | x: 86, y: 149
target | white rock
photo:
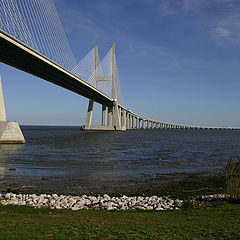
x: 75, y: 208
x: 106, y: 197
x: 7, y: 196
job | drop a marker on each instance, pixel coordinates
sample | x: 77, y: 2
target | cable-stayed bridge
x: 32, y: 39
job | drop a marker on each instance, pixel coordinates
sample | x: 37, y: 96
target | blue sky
x: 178, y: 61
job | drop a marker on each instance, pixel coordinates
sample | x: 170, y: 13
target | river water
x: 65, y: 157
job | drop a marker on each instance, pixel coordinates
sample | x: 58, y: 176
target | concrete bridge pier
x: 10, y: 132
x: 104, y: 112
x: 110, y: 113
x: 144, y: 124
x: 137, y: 125
x: 89, y: 115
x: 124, y: 122
x: 127, y: 121
x: 133, y: 123
x: 116, y: 117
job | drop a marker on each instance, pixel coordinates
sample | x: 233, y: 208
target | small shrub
x: 233, y: 178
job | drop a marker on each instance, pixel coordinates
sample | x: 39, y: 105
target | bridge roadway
x: 19, y: 55
x: 134, y: 121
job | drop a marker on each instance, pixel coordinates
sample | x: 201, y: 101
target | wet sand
x: 175, y: 185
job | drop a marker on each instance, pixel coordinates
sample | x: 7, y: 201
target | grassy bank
x: 221, y: 221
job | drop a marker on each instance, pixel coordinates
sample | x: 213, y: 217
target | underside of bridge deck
x: 18, y: 55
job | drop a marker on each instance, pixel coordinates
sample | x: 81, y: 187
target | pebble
x: 106, y: 202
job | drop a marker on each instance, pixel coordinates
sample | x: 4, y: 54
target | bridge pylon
x: 111, y: 115
x: 10, y: 132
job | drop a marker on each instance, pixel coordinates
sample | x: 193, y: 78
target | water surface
x: 90, y: 160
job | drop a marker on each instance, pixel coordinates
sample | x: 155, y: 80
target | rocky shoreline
x: 105, y: 202
x: 54, y: 201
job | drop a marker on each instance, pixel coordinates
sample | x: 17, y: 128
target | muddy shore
x: 177, y: 185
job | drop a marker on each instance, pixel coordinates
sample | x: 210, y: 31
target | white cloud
x: 217, y: 20
x: 226, y: 31
x: 143, y: 49
x: 189, y: 7
x: 175, y: 7
x: 147, y: 51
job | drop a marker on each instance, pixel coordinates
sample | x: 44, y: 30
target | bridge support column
x: 131, y: 121
x: 137, y: 125
x: 144, y: 124
x: 124, y: 127
x: 110, y: 116
x: 127, y: 121
x: 116, y: 117
x: 10, y: 132
x: 104, y: 111
x: 89, y: 115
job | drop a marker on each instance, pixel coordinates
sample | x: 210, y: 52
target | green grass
x: 219, y: 222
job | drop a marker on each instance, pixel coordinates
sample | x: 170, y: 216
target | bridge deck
x: 19, y: 55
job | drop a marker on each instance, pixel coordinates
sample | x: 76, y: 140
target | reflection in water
x: 8, y: 153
